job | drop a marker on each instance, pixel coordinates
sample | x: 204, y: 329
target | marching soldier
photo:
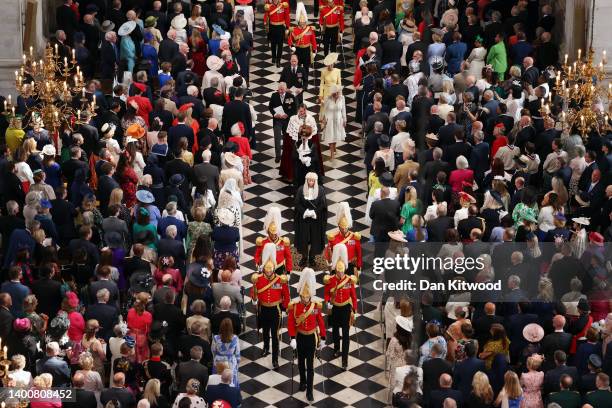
x: 331, y: 21
x: 352, y: 240
x: 272, y: 224
x: 307, y: 329
x: 303, y: 41
x: 270, y: 293
x: 277, y: 22
x: 340, y: 292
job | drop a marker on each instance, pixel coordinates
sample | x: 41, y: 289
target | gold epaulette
x: 326, y: 279
x: 354, y: 279
x: 283, y: 278
x: 286, y: 241
x: 290, y: 306
x: 259, y: 241
x: 286, y: 5
x: 357, y: 236
x: 291, y: 29
x: 331, y: 235
x: 254, y: 278
x: 267, y: 7
x: 319, y: 305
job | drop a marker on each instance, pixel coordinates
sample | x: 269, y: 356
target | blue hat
x: 177, y: 179
x: 217, y: 29
x: 560, y: 217
x: 389, y: 65
x: 44, y: 203
x: 129, y: 340
x: 145, y: 196
x: 200, y: 278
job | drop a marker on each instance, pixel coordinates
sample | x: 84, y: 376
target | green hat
x: 150, y: 21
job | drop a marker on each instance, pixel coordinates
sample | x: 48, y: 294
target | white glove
x: 307, y: 161
x: 292, y: 49
x: 321, y: 344
x: 254, y: 302
x: 293, y: 344
x: 314, y: 215
x: 305, y: 214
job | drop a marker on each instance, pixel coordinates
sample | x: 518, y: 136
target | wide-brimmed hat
x: 135, y: 130
x: 150, y: 21
x: 178, y: 22
x: 404, y: 322
x: 533, y: 332
x: 49, y: 150
x: 177, y: 179
x: 330, y: 59
x: 22, y: 325
x: 107, y: 26
x: 145, y: 196
x: 214, y: 63
x: 200, y: 278
x: 582, y: 220
x: 431, y: 136
x: 231, y: 159
x: 596, y: 238
x: 126, y: 28
x: 225, y: 216
x: 397, y: 235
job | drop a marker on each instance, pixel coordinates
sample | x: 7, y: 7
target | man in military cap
x: 277, y: 22
x: 352, y: 240
x: 272, y: 227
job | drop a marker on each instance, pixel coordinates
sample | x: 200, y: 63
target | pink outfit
x: 457, y: 177
x: 532, y: 387
x: 139, y: 326
x: 77, y: 326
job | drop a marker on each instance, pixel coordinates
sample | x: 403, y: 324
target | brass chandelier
x: 579, y: 84
x: 53, y: 88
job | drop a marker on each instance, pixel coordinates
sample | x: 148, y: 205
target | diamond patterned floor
x: 365, y: 382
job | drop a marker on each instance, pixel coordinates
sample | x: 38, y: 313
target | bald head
x: 559, y: 322
x: 78, y: 380
x: 446, y: 381
x: 119, y: 380
x: 489, y: 308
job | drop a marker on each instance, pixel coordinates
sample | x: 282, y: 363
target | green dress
x: 498, y: 59
x: 407, y: 212
x: 149, y: 227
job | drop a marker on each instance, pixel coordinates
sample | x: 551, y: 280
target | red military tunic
x: 305, y: 319
x: 323, y: 3
x: 270, y: 292
x: 283, y: 252
x: 340, y: 291
x: 303, y: 38
x: 277, y: 14
x: 332, y: 17
x: 353, y: 246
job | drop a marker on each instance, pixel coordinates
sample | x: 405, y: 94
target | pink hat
x: 73, y: 300
x: 22, y: 325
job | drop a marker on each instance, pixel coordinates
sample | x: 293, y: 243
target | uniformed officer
x: 352, y: 240
x: 272, y: 228
x: 340, y: 293
x: 302, y: 40
x: 270, y: 293
x: 307, y: 329
x: 331, y: 21
x: 277, y: 22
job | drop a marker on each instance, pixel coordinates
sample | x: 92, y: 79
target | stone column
x: 598, y: 22
x: 11, y: 43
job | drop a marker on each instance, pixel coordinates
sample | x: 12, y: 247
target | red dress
x: 245, y: 154
x: 177, y: 278
x: 198, y: 56
x: 458, y: 177
x: 77, y: 326
x: 129, y: 182
x: 139, y: 326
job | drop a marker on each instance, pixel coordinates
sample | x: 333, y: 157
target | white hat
x: 340, y: 254
x: 231, y: 159
x: 582, y: 220
x: 307, y: 278
x: 48, y: 150
x: 107, y: 127
x: 273, y: 216
x: 178, y: 22
x: 126, y: 28
x: 330, y: 59
x: 397, y: 236
x: 454, y: 307
x: 300, y: 11
x: 404, y: 322
x: 344, y: 210
x: 214, y: 63
x: 235, y: 130
x: 225, y: 216
x: 268, y: 253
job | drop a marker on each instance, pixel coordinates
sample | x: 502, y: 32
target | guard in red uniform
x: 331, y: 20
x: 307, y: 330
x: 340, y: 292
x: 303, y: 41
x: 272, y: 224
x: 277, y: 21
x: 270, y: 294
x: 352, y: 240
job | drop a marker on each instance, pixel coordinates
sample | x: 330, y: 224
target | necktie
x: 294, y: 71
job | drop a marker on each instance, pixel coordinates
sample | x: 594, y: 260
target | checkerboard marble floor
x: 364, y: 384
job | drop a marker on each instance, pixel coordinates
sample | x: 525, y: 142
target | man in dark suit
x: 238, y: 111
x: 385, y: 216
x: 66, y: 20
x: 394, y: 90
x: 136, y: 263
x: 421, y: 46
x: 433, y: 369
x: 192, y: 369
x: 377, y: 116
x: 109, y: 57
x: 6, y: 317
x: 459, y: 148
x: 465, y: 370
x: 436, y: 228
x: 48, y: 292
x: 470, y: 223
x: 161, y: 18
x: 392, y: 51
x: 104, y: 282
x: 552, y: 377
x: 82, y: 397
x: 446, y: 134
x: 197, y: 108
x: 10, y: 222
x: 565, y: 397
x: 557, y: 341
x: 72, y: 165
x: 420, y: 110
x: 430, y: 171
x: 105, y: 314
x: 593, y: 197
x: 585, y: 178
x: 295, y: 76
x: 168, y: 48
x: 54, y: 365
x: 225, y: 313
x: 445, y: 391
x: 530, y: 72
x: 106, y: 184
x: 206, y: 175
x: 188, y: 341
x: 175, y: 133
x: 179, y: 62
x: 482, y: 325
x: 118, y: 392
x: 224, y: 391
x: 285, y: 101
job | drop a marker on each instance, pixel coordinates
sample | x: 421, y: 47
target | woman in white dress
x: 333, y: 119
x: 476, y: 59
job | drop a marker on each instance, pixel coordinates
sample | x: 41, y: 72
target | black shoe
x: 302, y: 387
x: 275, y: 363
x: 265, y: 353
x: 277, y: 160
x: 337, y: 353
x: 345, y: 365
x: 309, y: 396
x: 277, y: 63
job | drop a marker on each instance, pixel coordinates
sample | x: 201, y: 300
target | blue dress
x: 149, y: 53
x: 53, y: 175
x: 226, y: 352
x: 128, y: 52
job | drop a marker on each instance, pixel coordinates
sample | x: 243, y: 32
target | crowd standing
x: 122, y: 232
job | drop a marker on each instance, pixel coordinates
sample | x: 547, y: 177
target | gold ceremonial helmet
x: 302, y: 19
x: 272, y: 228
x: 340, y: 266
x: 343, y: 222
x: 305, y: 292
x: 268, y: 257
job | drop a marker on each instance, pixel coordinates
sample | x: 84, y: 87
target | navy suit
x: 176, y: 132
x: 464, y: 373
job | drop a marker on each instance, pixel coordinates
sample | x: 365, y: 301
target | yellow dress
x: 329, y: 79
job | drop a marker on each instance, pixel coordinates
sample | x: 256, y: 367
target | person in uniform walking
x: 331, y: 21
x: 345, y: 236
x: 272, y: 227
x: 307, y: 329
x: 340, y: 292
x: 270, y: 294
x: 277, y: 22
x: 303, y: 41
